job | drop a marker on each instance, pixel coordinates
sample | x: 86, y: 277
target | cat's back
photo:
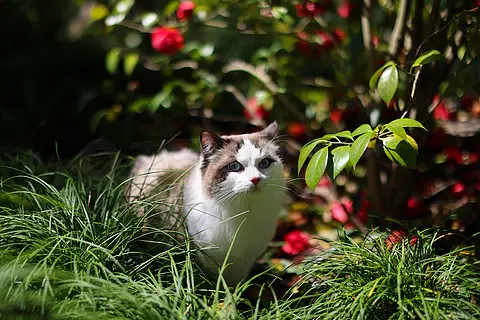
x: 150, y: 171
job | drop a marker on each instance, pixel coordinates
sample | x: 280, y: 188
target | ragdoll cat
x: 232, y: 195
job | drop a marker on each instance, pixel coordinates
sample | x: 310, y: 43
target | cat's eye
x: 235, y: 166
x: 265, y: 163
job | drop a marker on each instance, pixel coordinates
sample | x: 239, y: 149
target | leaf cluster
x: 344, y: 149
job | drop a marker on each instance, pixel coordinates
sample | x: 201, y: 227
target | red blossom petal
x: 336, y: 116
x: 297, y: 129
x: 338, y: 212
x: 345, y: 9
x: 185, y: 10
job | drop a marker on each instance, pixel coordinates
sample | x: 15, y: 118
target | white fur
x: 213, y: 222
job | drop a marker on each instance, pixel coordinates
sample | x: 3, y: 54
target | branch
x: 398, y: 28
x: 263, y: 77
x: 367, y: 34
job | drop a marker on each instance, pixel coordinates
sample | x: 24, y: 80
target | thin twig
x: 263, y: 77
x: 443, y: 28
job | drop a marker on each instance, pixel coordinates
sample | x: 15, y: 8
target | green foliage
x: 427, y: 57
x: 316, y: 167
x: 345, y: 149
x: 389, y: 277
x: 388, y: 84
x: 71, y: 248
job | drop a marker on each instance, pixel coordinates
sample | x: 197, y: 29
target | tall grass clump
x: 71, y: 247
x: 389, y: 277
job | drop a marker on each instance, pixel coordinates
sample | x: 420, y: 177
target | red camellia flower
x: 325, y: 40
x: 167, y: 40
x: 303, y: 45
x: 185, y: 10
x: 297, y: 129
x: 341, y: 210
x: 311, y: 9
x: 441, y: 111
x: 254, y: 111
x: 458, y: 189
x: 415, y: 207
x: 336, y: 116
x: 296, y: 241
x: 345, y: 9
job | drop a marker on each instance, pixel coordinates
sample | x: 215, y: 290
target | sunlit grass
x: 72, y: 248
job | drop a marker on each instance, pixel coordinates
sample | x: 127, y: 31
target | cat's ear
x: 271, y: 131
x: 210, y: 142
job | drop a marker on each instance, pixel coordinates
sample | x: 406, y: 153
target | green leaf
x: 114, y: 19
x: 112, y: 60
x: 358, y: 147
x: 427, y: 57
x: 130, y: 63
x: 400, y: 151
x: 388, y: 84
x: 398, y: 130
x: 316, y: 168
x: 98, y: 12
x: 149, y: 19
x: 362, y: 129
x: 345, y: 134
x: 374, y: 79
x: 305, y: 151
x: 341, y: 156
x: 124, y: 6
x: 408, y: 123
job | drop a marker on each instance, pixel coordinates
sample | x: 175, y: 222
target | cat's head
x: 238, y: 164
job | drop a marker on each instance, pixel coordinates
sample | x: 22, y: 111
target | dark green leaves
x: 112, y: 60
x: 339, y: 160
x: 130, y: 63
x: 316, y: 168
x: 306, y: 150
x: 400, y: 151
x: 427, y: 57
x: 388, y: 84
x: 386, y: 81
x: 359, y: 146
x: 376, y: 75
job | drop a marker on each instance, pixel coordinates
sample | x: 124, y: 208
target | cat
x: 232, y: 196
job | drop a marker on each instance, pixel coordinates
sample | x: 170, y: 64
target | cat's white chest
x: 244, y: 226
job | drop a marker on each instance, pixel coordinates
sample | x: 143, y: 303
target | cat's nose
x: 255, y: 180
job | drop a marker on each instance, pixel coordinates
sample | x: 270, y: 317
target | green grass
x: 71, y: 248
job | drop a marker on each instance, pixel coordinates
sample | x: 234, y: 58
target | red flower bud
x: 185, y: 10
x: 336, y: 116
x: 297, y: 129
x: 310, y: 9
x: 345, y: 9
x: 325, y: 40
x: 254, y: 111
x: 167, y: 40
x: 458, y: 189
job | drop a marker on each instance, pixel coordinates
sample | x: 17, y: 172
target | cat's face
x: 240, y: 164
